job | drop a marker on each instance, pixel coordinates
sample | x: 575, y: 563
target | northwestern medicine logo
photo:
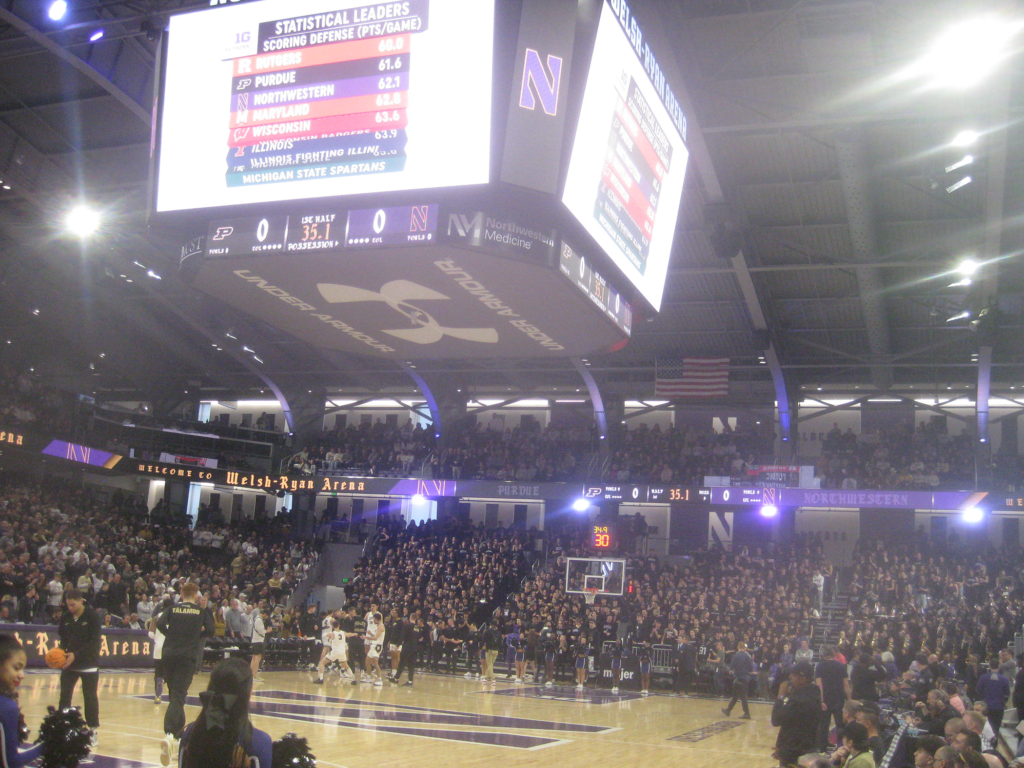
x: 397, y: 294
x: 545, y: 83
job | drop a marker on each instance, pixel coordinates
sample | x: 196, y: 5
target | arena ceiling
x: 816, y: 242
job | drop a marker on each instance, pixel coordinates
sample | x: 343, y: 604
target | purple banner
x: 82, y: 454
x: 848, y: 499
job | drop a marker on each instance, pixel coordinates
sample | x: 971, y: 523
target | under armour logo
x: 397, y: 294
x: 223, y: 232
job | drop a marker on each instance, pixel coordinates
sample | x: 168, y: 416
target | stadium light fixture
x: 581, y: 505
x: 958, y: 185
x: 57, y: 10
x: 964, y: 139
x: 418, y: 499
x: 965, y: 160
x: 95, y: 36
x: 966, y: 53
x: 82, y: 221
x: 769, y: 510
x: 967, y: 267
x: 973, y: 515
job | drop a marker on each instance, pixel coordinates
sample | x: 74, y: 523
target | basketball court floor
x: 442, y: 721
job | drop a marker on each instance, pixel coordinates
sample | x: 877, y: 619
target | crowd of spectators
x: 533, y: 453
x: 924, y: 458
x: 441, y: 569
x: 127, y: 561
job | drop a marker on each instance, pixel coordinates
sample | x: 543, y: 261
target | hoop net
x: 589, y: 594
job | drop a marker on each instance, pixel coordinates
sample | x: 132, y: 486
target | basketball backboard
x: 606, y: 575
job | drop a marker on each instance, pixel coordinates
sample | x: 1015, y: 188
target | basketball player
x: 645, y: 668
x: 326, y: 628
x: 396, y: 635
x: 184, y: 626
x: 80, y: 637
x: 617, y: 652
x: 581, y: 651
x: 337, y: 652
x: 354, y: 628
x: 374, y: 648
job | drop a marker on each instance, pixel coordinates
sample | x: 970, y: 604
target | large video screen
x: 628, y: 159
x: 296, y: 99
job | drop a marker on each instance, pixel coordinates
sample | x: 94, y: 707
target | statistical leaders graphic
x: 638, y: 158
x: 326, y: 96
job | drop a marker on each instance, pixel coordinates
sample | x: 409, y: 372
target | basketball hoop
x: 590, y: 594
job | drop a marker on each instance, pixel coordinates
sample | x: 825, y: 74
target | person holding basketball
x: 80, y: 633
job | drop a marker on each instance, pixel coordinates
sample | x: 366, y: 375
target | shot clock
x: 603, y: 538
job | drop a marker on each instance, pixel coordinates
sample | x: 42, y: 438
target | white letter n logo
x: 546, y: 87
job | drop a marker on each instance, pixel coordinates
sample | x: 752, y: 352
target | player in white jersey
x: 325, y: 630
x: 336, y: 644
x: 375, y: 647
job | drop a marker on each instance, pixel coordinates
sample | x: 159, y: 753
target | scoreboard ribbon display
x: 321, y: 98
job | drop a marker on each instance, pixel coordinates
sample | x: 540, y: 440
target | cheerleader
x: 550, y: 644
x: 616, y: 654
x: 518, y: 644
x: 581, y: 651
x: 12, y: 724
x: 645, y: 668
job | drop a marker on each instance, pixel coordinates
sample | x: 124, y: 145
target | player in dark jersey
x: 581, y: 651
x: 645, y: 668
x: 617, y: 652
x: 354, y: 627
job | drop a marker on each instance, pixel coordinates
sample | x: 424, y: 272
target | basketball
x: 55, y: 658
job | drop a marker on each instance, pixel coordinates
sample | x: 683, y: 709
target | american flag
x: 696, y: 377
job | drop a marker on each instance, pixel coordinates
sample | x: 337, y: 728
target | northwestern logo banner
x: 545, y: 83
x: 532, y: 154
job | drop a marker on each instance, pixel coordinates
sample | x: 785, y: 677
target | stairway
x: 833, y: 616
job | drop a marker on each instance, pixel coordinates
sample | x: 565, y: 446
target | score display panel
x: 628, y: 160
x: 298, y: 99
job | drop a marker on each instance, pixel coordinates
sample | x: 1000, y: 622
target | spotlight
x: 97, y: 35
x: 769, y: 510
x: 973, y: 515
x: 960, y: 283
x: 968, y: 52
x: 967, y: 267
x: 581, y: 505
x: 82, y: 221
x: 419, y: 499
x: 57, y: 10
x: 961, y: 316
x: 964, y: 139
